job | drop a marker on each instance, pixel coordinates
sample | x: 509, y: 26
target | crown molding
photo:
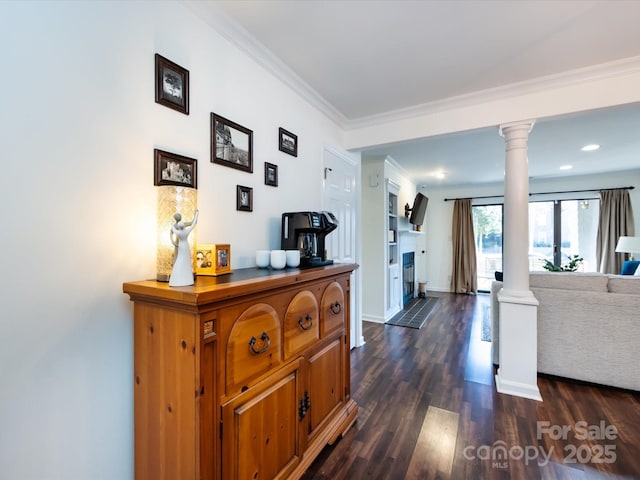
x: 389, y: 160
x: 219, y: 20
x: 232, y: 31
x: 625, y: 66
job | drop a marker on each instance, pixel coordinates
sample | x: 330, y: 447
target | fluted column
x: 518, y: 331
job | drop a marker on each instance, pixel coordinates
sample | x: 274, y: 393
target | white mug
x: 262, y: 258
x: 278, y: 259
x: 293, y: 258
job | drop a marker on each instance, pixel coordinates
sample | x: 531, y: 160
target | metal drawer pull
x: 265, y: 340
x: 309, y: 322
x: 336, y: 308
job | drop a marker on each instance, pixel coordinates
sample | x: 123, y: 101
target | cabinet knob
x: 335, y: 308
x: 308, y: 324
x: 266, y: 342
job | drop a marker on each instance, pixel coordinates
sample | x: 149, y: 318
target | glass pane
x: 579, y: 228
x: 487, y: 225
x: 540, y: 234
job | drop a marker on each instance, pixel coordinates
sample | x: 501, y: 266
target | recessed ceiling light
x: 440, y: 175
x: 566, y: 167
x: 590, y: 148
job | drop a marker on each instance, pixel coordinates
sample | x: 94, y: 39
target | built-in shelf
x: 393, y: 254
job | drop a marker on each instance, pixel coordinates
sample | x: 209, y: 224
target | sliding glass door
x: 487, y: 225
x: 561, y: 229
x: 557, y: 230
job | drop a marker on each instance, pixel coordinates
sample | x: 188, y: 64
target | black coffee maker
x: 306, y: 231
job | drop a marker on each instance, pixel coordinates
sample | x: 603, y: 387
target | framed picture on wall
x: 172, y: 85
x: 173, y: 169
x: 270, y: 174
x: 244, y: 198
x: 287, y: 142
x: 231, y: 144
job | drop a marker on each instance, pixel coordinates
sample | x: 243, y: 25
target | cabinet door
x: 332, y: 310
x: 253, y: 346
x: 261, y: 428
x: 301, y: 324
x: 326, y: 383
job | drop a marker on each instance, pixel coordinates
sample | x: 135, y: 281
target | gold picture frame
x: 213, y: 259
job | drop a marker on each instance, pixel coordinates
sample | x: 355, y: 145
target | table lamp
x: 628, y: 245
x: 172, y: 199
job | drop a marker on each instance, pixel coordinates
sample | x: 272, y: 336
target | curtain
x: 464, y: 271
x: 616, y: 220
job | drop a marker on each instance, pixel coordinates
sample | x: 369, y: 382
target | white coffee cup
x: 278, y: 259
x: 263, y: 257
x: 293, y: 258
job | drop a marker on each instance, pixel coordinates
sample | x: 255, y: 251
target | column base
x: 518, y: 389
x: 518, y: 342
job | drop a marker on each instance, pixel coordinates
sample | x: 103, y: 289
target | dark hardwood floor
x: 429, y: 409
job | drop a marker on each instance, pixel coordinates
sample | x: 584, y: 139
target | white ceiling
x: 367, y: 58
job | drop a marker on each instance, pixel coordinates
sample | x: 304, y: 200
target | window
x: 558, y: 229
x: 563, y: 228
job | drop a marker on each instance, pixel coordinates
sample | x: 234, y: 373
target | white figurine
x: 182, y: 272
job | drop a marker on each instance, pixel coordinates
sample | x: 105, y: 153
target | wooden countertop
x: 239, y: 282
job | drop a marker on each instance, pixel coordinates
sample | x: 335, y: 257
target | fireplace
x: 408, y: 277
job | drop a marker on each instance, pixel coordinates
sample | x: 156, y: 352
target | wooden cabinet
x: 240, y: 377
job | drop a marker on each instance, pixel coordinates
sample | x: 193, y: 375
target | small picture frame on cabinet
x: 213, y: 259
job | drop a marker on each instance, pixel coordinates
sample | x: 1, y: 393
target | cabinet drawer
x: 332, y: 309
x: 253, y: 347
x: 301, y: 323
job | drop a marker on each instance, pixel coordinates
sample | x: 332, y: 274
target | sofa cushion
x: 629, y: 284
x: 590, y: 282
x: 630, y: 267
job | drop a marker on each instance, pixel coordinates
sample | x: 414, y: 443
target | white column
x: 518, y: 371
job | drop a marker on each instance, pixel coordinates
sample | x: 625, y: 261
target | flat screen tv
x: 419, y: 209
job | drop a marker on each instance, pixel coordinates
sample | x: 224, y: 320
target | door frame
x: 357, y: 338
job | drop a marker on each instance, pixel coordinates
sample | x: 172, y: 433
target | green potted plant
x: 572, y: 266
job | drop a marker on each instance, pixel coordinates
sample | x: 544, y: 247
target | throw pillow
x: 629, y: 267
x: 637, y: 274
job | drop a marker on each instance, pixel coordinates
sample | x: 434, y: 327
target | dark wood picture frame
x: 173, y: 169
x: 244, y: 198
x: 231, y: 144
x: 270, y: 174
x: 172, y: 85
x: 287, y: 142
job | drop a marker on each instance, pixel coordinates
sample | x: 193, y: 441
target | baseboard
x: 373, y: 318
x: 517, y: 389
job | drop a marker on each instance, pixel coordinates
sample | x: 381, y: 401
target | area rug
x: 415, y: 313
x: 486, y: 323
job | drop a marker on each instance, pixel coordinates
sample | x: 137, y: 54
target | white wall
x: 374, y: 241
x: 375, y: 172
x: 77, y: 133
x: 437, y: 263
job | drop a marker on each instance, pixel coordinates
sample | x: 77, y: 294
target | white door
x: 340, y: 197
